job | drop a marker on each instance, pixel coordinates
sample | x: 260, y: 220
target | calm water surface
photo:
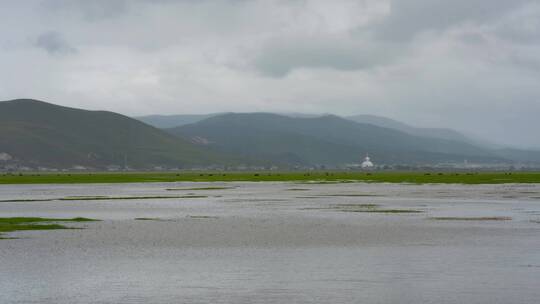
x: 274, y: 243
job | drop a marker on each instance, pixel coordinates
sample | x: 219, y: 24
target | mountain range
x: 326, y: 139
x: 171, y: 121
x: 35, y: 133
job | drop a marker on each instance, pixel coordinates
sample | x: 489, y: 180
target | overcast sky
x: 473, y: 65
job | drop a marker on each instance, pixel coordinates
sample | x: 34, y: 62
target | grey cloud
x: 172, y: 56
x: 282, y: 56
x: 91, y: 10
x: 54, y: 44
x: 473, y: 38
x: 520, y: 36
x: 525, y: 62
x: 382, y: 42
x: 97, y: 10
x: 410, y: 17
x: 523, y: 27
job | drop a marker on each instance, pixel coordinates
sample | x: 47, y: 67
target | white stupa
x: 367, y: 164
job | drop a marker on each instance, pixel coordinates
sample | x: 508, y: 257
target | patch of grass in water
x: 345, y: 206
x: 82, y: 197
x: 81, y: 219
x: 364, y: 208
x: 376, y: 210
x: 482, y: 218
x: 383, y: 210
x: 101, y: 198
x: 370, y: 206
x: 26, y: 200
x: 349, y: 195
x: 202, y: 217
x: 149, y: 219
x: 199, y: 188
x: 12, y: 224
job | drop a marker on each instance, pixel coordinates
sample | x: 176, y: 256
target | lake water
x: 275, y: 243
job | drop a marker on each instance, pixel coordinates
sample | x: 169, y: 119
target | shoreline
x: 313, y: 177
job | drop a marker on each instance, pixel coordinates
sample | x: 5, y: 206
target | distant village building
x: 367, y: 164
x: 5, y: 157
x: 79, y: 168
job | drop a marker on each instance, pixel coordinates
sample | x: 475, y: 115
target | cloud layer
x: 473, y: 65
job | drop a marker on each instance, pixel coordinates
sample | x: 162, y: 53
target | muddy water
x: 274, y: 243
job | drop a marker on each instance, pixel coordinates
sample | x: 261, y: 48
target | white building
x: 5, y: 157
x: 367, y: 164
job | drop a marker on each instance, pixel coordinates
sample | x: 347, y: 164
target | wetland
x: 252, y: 242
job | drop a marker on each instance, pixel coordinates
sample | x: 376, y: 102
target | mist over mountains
x: 171, y: 121
x: 39, y: 134
x: 329, y: 139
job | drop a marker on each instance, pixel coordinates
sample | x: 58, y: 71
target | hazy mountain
x: 36, y: 133
x: 39, y: 133
x: 384, y: 122
x: 171, y: 121
x: 323, y: 140
x: 519, y: 155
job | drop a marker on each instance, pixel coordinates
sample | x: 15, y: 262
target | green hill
x: 323, y: 140
x: 35, y: 133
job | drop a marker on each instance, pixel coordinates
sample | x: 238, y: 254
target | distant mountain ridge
x: 37, y: 133
x: 171, y: 121
x: 519, y: 155
x: 384, y: 122
x: 327, y: 139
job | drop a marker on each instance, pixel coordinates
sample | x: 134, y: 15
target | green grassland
x: 318, y: 177
x: 11, y: 224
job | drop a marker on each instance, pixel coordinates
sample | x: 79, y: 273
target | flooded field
x: 273, y: 243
